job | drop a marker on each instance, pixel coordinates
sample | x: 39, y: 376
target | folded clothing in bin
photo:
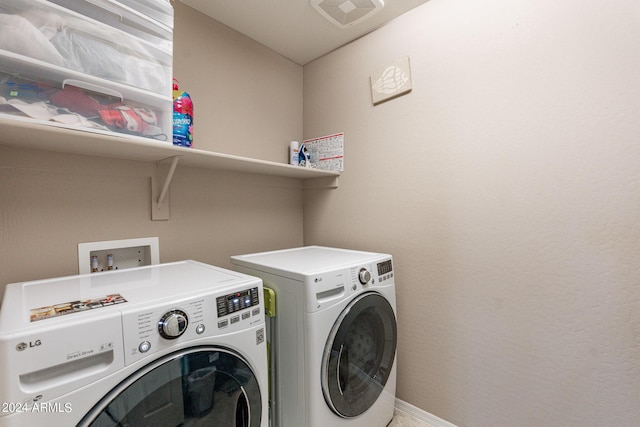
x: 19, y: 35
x: 78, y: 101
x: 119, y: 60
x: 136, y: 120
x: 132, y: 119
x: 41, y: 110
x: 73, y: 106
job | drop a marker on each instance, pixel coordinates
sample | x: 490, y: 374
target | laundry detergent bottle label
x: 182, y: 117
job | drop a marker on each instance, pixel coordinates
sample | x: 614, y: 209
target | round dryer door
x: 196, y: 386
x: 359, y: 355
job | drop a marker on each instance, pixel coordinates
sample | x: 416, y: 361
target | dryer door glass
x: 359, y: 355
x: 198, y: 386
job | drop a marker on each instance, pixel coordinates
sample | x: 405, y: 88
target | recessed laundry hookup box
x: 100, y: 65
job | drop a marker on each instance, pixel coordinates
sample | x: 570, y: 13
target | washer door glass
x: 359, y: 355
x: 193, y: 387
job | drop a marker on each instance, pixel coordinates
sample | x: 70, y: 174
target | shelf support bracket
x: 160, y: 196
x: 322, y: 183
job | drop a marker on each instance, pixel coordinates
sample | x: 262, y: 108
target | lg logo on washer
x: 23, y: 345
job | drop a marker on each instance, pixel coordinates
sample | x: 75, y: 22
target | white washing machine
x: 333, y: 337
x: 177, y: 344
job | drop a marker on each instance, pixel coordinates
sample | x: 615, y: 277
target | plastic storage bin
x: 105, y: 65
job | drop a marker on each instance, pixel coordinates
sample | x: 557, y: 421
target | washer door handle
x: 343, y: 369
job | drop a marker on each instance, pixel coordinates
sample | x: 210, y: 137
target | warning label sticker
x: 71, y: 307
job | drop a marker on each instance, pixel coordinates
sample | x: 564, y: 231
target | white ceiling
x: 292, y: 27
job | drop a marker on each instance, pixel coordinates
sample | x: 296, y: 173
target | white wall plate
x: 127, y: 253
x: 391, y: 81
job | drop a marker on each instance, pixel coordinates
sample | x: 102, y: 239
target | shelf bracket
x: 160, y: 195
x: 322, y: 183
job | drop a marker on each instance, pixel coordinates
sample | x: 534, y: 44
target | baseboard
x: 418, y: 413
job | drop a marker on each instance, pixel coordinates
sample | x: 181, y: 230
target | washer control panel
x: 236, y: 307
x: 237, y: 301
x: 159, y: 327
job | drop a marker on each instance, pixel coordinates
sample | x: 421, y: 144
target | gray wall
x: 507, y: 187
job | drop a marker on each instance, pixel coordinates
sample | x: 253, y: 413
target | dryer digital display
x: 384, y: 268
x: 237, y: 301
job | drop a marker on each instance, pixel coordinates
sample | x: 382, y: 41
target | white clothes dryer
x: 334, y: 335
x: 177, y: 344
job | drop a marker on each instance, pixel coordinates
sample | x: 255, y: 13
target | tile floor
x: 400, y: 419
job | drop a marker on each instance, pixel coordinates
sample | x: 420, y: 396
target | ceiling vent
x: 345, y: 13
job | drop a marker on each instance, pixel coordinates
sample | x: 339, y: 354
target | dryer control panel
x: 369, y: 275
x: 326, y: 289
x: 385, y: 270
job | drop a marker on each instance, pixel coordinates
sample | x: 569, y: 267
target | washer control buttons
x: 173, y: 324
x: 237, y: 301
x: 200, y: 329
x: 144, y: 346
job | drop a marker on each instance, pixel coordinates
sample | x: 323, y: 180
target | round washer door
x: 196, y: 386
x: 359, y: 355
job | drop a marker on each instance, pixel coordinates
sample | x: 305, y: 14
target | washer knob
x: 364, y: 276
x: 173, y: 324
